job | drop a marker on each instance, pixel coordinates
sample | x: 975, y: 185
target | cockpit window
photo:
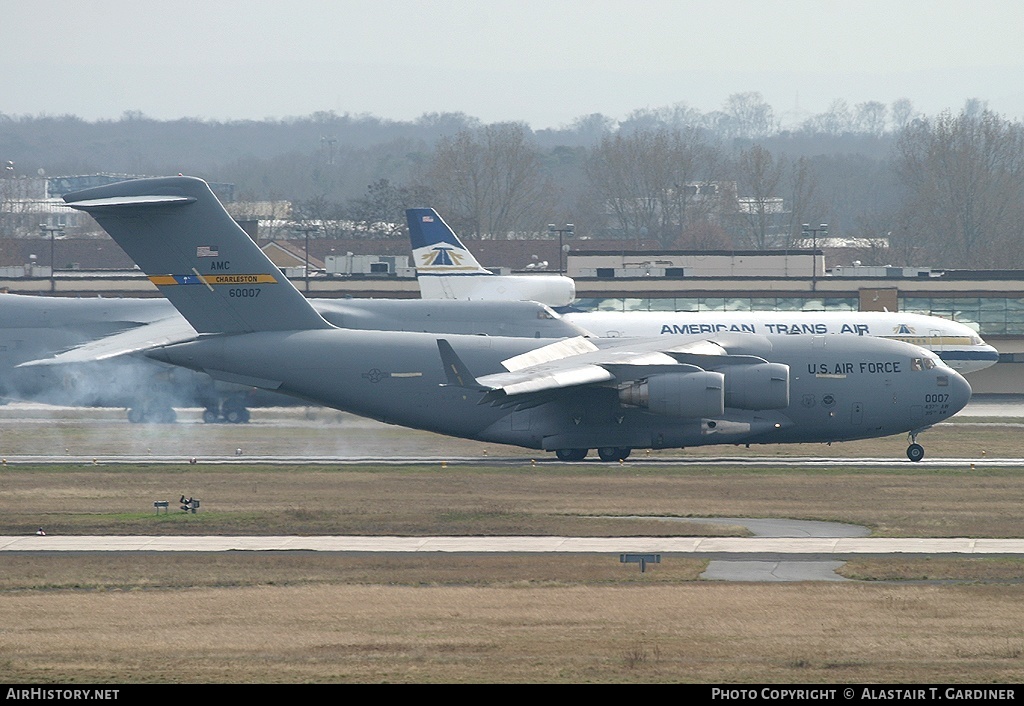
x: 923, y: 363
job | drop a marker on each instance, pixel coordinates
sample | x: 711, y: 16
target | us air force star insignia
x: 375, y: 375
x: 828, y: 400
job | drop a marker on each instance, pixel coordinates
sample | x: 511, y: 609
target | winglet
x: 455, y: 370
x: 179, y: 234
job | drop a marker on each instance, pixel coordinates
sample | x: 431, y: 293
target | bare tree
x: 801, y: 185
x: 974, y: 107
x: 381, y: 211
x: 490, y: 181
x: 653, y: 182
x: 749, y: 115
x: 760, y: 208
x: 902, y: 113
x: 870, y: 118
x: 964, y: 188
x: 678, y: 116
x: 835, y: 121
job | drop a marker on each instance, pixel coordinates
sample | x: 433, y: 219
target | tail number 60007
x: 246, y: 293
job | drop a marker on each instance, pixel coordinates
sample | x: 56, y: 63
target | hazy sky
x: 542, y: 61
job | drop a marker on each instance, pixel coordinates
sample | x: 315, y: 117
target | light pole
x: 813, y: 232
x: 5, y: 195
x: 568, y: 228
x: 52, y: 230
x: 307, y: 230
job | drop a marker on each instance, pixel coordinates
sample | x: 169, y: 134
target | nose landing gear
x: 915, y: 452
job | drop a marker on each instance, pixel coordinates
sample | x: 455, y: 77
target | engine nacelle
x: 759, y: 386
x: 688, y: 395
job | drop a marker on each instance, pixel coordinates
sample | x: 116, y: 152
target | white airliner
x: 447, y: 270
x: 959, y: 346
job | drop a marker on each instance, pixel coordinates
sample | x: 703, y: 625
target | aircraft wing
x: 577, y: 362
x: 173, y: 329
x: 568, y: 363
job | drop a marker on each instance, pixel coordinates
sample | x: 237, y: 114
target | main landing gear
x: 155, y: 414
x: 232, y: 411
x: 915, y: 452
x: 605, y: 453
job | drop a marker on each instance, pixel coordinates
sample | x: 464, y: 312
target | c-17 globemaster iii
x: 567, y: 396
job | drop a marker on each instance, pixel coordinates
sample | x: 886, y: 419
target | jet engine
x: 691, y: 395
x: 758, y: 386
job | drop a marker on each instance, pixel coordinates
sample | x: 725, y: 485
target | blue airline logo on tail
x: 442, y: 255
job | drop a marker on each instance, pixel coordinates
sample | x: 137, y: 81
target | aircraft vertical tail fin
x: 179, y: 234
x: 445, y: 269
x: 436, y: 250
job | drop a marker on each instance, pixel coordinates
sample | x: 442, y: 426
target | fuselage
x: 841, y: 388
x: 958, y: 345
x: 553, y: 290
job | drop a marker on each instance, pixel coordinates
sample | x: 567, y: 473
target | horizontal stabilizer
x: 142, y: 338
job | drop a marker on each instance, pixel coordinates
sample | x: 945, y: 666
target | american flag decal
x: 207, y: 251
x: 428, y: 219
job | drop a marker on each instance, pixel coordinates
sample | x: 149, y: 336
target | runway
x: 704, y: 546
x: 540, y: 457
x: 781, y: 550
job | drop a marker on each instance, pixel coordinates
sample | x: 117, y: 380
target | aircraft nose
x: 959, y: 392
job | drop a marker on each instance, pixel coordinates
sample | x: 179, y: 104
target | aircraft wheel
x: 915, y: 452
x: 571, y: 454
x: 239, y: 415
x: 624, y: 452
x: 211, y: 416
x: 166, y: 416
x: 136, y: 416
x: 608, y: 453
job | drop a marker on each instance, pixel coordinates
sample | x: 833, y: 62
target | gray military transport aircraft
x: 568, y: 395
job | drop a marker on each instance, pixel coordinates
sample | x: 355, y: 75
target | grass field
x: 311, y: 617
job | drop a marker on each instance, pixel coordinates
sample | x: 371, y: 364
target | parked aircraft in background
x: 568, y: 395
x: 85, y: 352
x: 447, y: 270
x: 34, y: 327
x: 958, y: 345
